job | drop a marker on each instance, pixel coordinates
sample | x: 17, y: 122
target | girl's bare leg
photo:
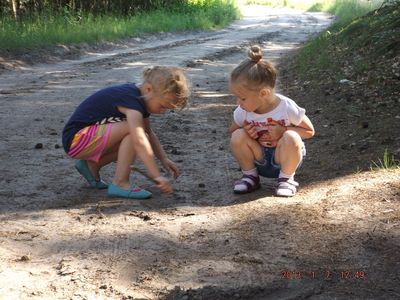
x: 105, y: 159
x: 118, y: 132
x: 126, y: 155
x: 288, y: 152
x: 245, y: 149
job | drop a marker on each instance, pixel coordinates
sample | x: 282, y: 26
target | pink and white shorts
x: 89, y: 142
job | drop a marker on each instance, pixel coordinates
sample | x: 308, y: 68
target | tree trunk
x: 15, y: 9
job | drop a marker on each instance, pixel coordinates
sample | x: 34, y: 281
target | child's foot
x: 83, y: 169
x: 286, y: 187
x: 132, y: 193
x: 246, y: 184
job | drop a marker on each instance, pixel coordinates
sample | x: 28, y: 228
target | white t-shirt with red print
x: 287, y: 113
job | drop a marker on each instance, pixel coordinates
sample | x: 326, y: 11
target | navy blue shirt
x: 101, y: 108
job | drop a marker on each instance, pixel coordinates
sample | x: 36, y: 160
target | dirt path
x: 60, y: 240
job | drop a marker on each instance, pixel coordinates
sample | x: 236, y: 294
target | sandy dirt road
x: 61, y: 240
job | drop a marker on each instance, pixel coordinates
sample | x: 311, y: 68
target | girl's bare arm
x: 305, y: 129
x: 159, y: 151
x: 233, y: 127
x: 154, y: 141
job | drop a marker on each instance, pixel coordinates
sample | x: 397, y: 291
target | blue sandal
x: 133, y: 193
x: 82, y: 167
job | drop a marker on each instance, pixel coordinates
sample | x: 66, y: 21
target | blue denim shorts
x: 267, y: 167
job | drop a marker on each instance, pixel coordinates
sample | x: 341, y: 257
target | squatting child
x: 113, y: 125
x: 268, y: 129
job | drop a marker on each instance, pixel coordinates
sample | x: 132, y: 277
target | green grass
x: 387, y: 162
x: 69, y: 28
x: 338, y: 38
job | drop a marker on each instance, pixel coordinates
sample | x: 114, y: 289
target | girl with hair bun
x: 113, y: 125
x: 268, y: 128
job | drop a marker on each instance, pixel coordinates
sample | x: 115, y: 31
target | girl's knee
x: 238, y: 137
x: 291, y: 139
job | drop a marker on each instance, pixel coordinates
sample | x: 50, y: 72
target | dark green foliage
x: 372, y: 35
x: 71, y: 26
x: 118, y: 7
x: 380, y: 28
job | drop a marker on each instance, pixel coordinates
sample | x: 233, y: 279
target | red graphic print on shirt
x: 263, y: 131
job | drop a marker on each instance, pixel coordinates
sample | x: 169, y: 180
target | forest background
x: 28, y: 24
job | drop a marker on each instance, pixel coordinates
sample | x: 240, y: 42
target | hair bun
x: 255, y: 53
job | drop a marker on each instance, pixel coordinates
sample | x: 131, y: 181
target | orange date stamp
x: 325, y: 275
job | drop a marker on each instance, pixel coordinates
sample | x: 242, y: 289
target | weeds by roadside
x: 387, y: 162
x: 70, y: 27
x: 351, y: 18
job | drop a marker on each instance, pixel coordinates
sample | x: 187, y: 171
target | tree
x: 16, y: 5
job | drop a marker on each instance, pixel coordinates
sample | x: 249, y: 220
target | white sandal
x: 246, y: 184
x: 286, y: 187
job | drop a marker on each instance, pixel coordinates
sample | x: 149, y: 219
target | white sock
x: 252, y: 172
x: 284, y: 175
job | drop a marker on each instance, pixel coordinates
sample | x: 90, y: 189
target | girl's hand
x: 276, y: 130
x: 266, y: 141
x: 251, y: 130
x: 164, y: 185
x: 171, y: 168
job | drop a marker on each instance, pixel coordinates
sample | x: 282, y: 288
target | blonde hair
x: 169, y: 80
x: 255, y: 71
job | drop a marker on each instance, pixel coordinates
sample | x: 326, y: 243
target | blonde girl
x: 113, y: 125
x: 268, y: 128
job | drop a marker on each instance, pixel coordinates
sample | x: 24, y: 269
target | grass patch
x: 352, y: 17
x: 387, y: 162
x: 72, y: 28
